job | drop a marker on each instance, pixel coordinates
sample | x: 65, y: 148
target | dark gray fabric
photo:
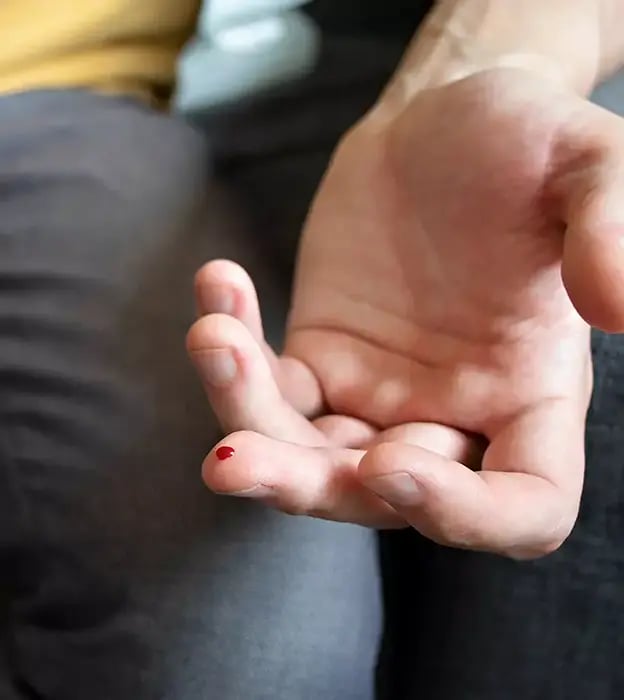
x: 121, y: 577
x: 396, y: 18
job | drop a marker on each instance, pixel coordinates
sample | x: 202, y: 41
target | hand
x: 429, y: 295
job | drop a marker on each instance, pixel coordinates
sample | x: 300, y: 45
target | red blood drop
x: 225, y: 452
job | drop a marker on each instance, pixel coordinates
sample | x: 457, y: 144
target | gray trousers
x: 121, y: 576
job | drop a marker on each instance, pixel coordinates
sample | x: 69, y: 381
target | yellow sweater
x: 123, y: 46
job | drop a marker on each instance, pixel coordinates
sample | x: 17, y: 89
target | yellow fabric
x: 127, y: 46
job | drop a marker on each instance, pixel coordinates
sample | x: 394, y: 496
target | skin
x: 437, y: 369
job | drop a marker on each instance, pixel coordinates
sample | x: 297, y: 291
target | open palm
x: 429, y: 308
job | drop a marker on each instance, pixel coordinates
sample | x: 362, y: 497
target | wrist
x: 558, y: 40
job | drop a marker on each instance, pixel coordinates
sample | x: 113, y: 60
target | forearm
x: 575, y: 42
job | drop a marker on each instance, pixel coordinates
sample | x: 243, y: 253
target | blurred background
x: 274, y: 83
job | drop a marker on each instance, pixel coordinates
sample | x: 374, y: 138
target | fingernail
x: 400, y: 488
x: 217, y: 299
x: 218, y: 367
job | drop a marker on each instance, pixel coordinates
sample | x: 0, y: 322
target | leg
x: 124, y: 578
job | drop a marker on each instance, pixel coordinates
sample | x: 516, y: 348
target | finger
x: 222, y: 286
x: 592, y: 191
x: 300, y: 480
x: 299, y: 386
x: 321, y: 482
x: 240, y: 384
x: 523, y: 503
x: 440, y: 439
x: 345, y: 431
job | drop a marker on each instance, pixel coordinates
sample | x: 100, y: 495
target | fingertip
x: 224, y: 352
x: 222, y: 271
x: 216, y: 331
x: 227, y: 468
x: 377, y: 460
x: 222, y: 286
x: 216, y: 290
x: 401, y: 475
x: 199, y: 335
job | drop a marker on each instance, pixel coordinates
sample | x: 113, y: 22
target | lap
x: 123, y: 577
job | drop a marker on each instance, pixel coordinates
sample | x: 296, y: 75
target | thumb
x: 524, y: 501
x: 593, y: 256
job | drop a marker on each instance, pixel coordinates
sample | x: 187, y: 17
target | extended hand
x: 429, y: 308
